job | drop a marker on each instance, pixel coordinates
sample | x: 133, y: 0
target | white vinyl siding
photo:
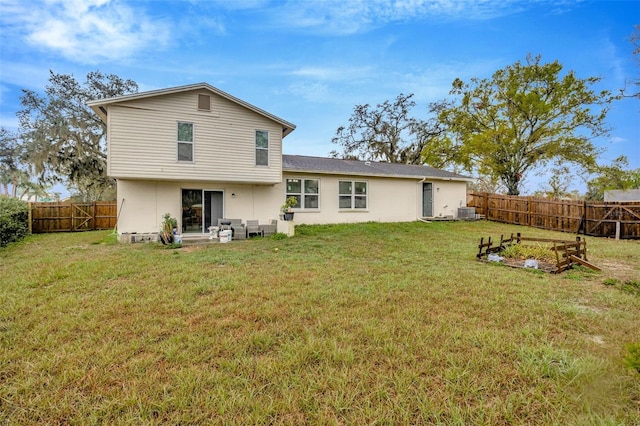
x: 306, y: 191
x: 142, y: 141
x: 185, y: 142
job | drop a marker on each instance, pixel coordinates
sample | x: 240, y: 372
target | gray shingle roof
x: 302, y: 163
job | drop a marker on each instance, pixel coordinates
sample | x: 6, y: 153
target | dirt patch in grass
x: 620, y: 270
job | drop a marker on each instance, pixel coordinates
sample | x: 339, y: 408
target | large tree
x: 14, y: 177
x: 616, y: 175
x: 64, y: 139
x: 10, y: 160
x: 523, y: 117
x: 635, y: 41
x: 389, y: 133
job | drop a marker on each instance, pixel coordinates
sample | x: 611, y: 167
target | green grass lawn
x: 345, y: 324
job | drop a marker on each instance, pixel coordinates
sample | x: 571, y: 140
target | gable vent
x: 204, y: 102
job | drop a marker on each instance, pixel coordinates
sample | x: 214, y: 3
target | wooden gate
x: 71, y: 217
x: 612, y: 220
x: 82, y: 217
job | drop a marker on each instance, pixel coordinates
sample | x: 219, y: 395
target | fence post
x: 30, y: 219
x: 485, y: 204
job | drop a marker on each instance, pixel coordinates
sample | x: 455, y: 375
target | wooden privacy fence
x: 69, y: 217
x: 599, y: 219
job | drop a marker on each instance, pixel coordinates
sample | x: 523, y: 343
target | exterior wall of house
x: 142, y: 140
x: 389, y: 199
x: 142, y: 203
x: 448, y: 196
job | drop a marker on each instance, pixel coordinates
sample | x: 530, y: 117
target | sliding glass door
x: 212, y: 208
x: 201, y: 209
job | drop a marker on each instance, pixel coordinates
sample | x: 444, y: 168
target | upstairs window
x: 305, y: 191
x: 204, y: 102
x: 262, y: 148
x: 352, y: 194
x: 185, y: 141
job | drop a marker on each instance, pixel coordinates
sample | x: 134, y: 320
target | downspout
x: 420, y: 218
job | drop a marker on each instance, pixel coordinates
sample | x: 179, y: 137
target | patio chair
x: 253, y: 227
x: 269, y: 229
x: 224, y: 224
x: 239, y: 230
x: 236, y: 225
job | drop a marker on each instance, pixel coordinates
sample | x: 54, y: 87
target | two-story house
x: 201, y: 154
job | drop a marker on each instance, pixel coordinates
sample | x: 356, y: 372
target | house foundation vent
x: 127, y: 238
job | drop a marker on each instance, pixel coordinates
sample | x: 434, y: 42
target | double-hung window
x: 305, y: 191
x: 185, y: 141
x: 352, y: 194
x: 262, y: 148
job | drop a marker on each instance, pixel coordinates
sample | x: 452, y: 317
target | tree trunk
x: 511, y: 181
x: 14, y: 190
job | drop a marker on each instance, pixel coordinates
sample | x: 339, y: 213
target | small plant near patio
x: 632, y: 358
x: 289, y: 203
x: 279, y: 236
x: 521, y: 251
x: 166, y: 229
x: 287, y: 213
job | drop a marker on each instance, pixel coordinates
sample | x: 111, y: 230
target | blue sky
x: 310, y: 62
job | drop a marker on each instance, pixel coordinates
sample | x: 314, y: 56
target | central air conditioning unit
x: 466, y: 213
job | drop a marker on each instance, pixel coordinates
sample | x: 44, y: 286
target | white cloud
x: 610, y: 56
x: 616, y: 139
x: 23, y: 75
x: 328, y: 73
x: 433, y: 83
x: 312, y: 92
x: 86, y: 31
x: 350, y: 17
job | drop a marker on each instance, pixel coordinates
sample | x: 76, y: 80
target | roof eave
x: 414, y: 177
x: 101, y: 111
